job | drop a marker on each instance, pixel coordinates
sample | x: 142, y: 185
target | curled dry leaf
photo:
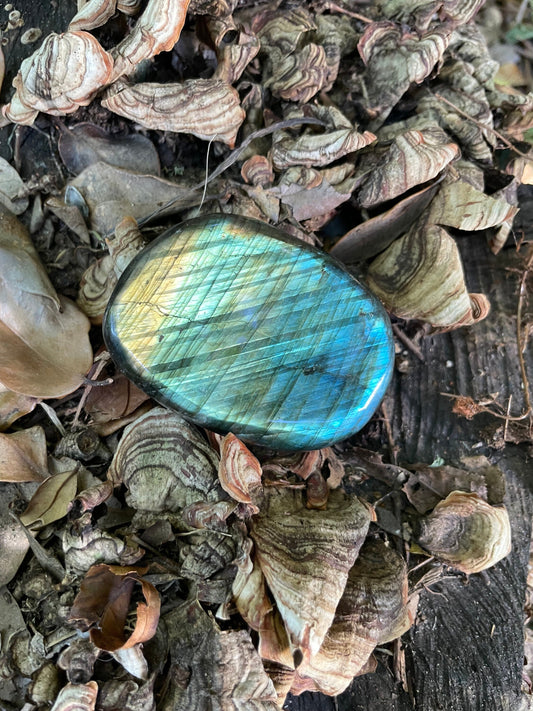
x: 51, y: 501
x: 157, y: 30
x: 11, y: 188
x: 312, y: 193
x: 115, y: 401
x: 458, y: 204
x: 207, y: 108
x: 413, y: 158
x: 249, y: 588
x: 305, y: 556
x: 466, y: 532
x: 165, y: 464
x: 89, y: 499
x: 111, y: 193
x: 133, y: 661
x: 13, y: 405
x: 77, y: 697
x: 23, y: 455
x: 395, y: 58
x: 63, y: 74
x: 427, y: 486
x: 372, y: 611
x: 421, y: 276
x: 239, y: 473
x: 83, y: 144
x: 257, y: 170
x: 376, y: 234
x: 211, y: 668
x: 318, y: 149
x: 104, y: 600
x: 44, y: 345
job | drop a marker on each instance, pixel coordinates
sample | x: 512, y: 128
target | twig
x: 390, y: 438
x: 478, y: 409
x: 333, y: 7
x: 521, y: 295
x: 407, y: 342
x: 104, y: 359
x: 502, y: 138
x: 234, y: 156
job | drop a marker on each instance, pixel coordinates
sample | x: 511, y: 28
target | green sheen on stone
x: 244, y: 329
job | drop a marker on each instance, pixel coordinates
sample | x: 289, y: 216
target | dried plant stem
x: 333, y: 7
x: 95, y: 372
x: 407, y: 342
x: 521, y: 346
x: 483, y: 409
x: 234, y: 157
x: 388, y: 429
x: 502, y: 138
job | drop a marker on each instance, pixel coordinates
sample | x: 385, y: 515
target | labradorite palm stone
x: 244, y: 329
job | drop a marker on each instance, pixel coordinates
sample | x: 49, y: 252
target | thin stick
x: 234, y: 156
x: 521, y: 296
x: 484, y: 128
x: 407, y: 342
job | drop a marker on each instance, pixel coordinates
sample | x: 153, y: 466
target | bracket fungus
x: 466, y: 532
x: 64, y: 73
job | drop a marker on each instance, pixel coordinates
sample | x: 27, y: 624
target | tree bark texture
x: 465, y: 652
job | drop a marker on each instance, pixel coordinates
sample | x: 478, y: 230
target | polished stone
x: 242, y: 328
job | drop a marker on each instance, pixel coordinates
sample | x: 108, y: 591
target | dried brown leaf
x: 83, y: 144
x: 23, y: 455
x: 71, y: 215
x: 44, y: 344
x: 13, y: 405
x: 115, y: 401
x: 11, y: 187
x: 51, y: 501
x: 249, y: 588
x: 112, y: 193
x: 311, y: 193
x: 207, y: 108
x: 373, y: 236
x: 104, y: 599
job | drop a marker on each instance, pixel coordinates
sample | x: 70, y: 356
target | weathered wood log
x: 465, y: 652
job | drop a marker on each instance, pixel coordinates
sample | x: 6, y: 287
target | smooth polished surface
x: 244, y: 329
